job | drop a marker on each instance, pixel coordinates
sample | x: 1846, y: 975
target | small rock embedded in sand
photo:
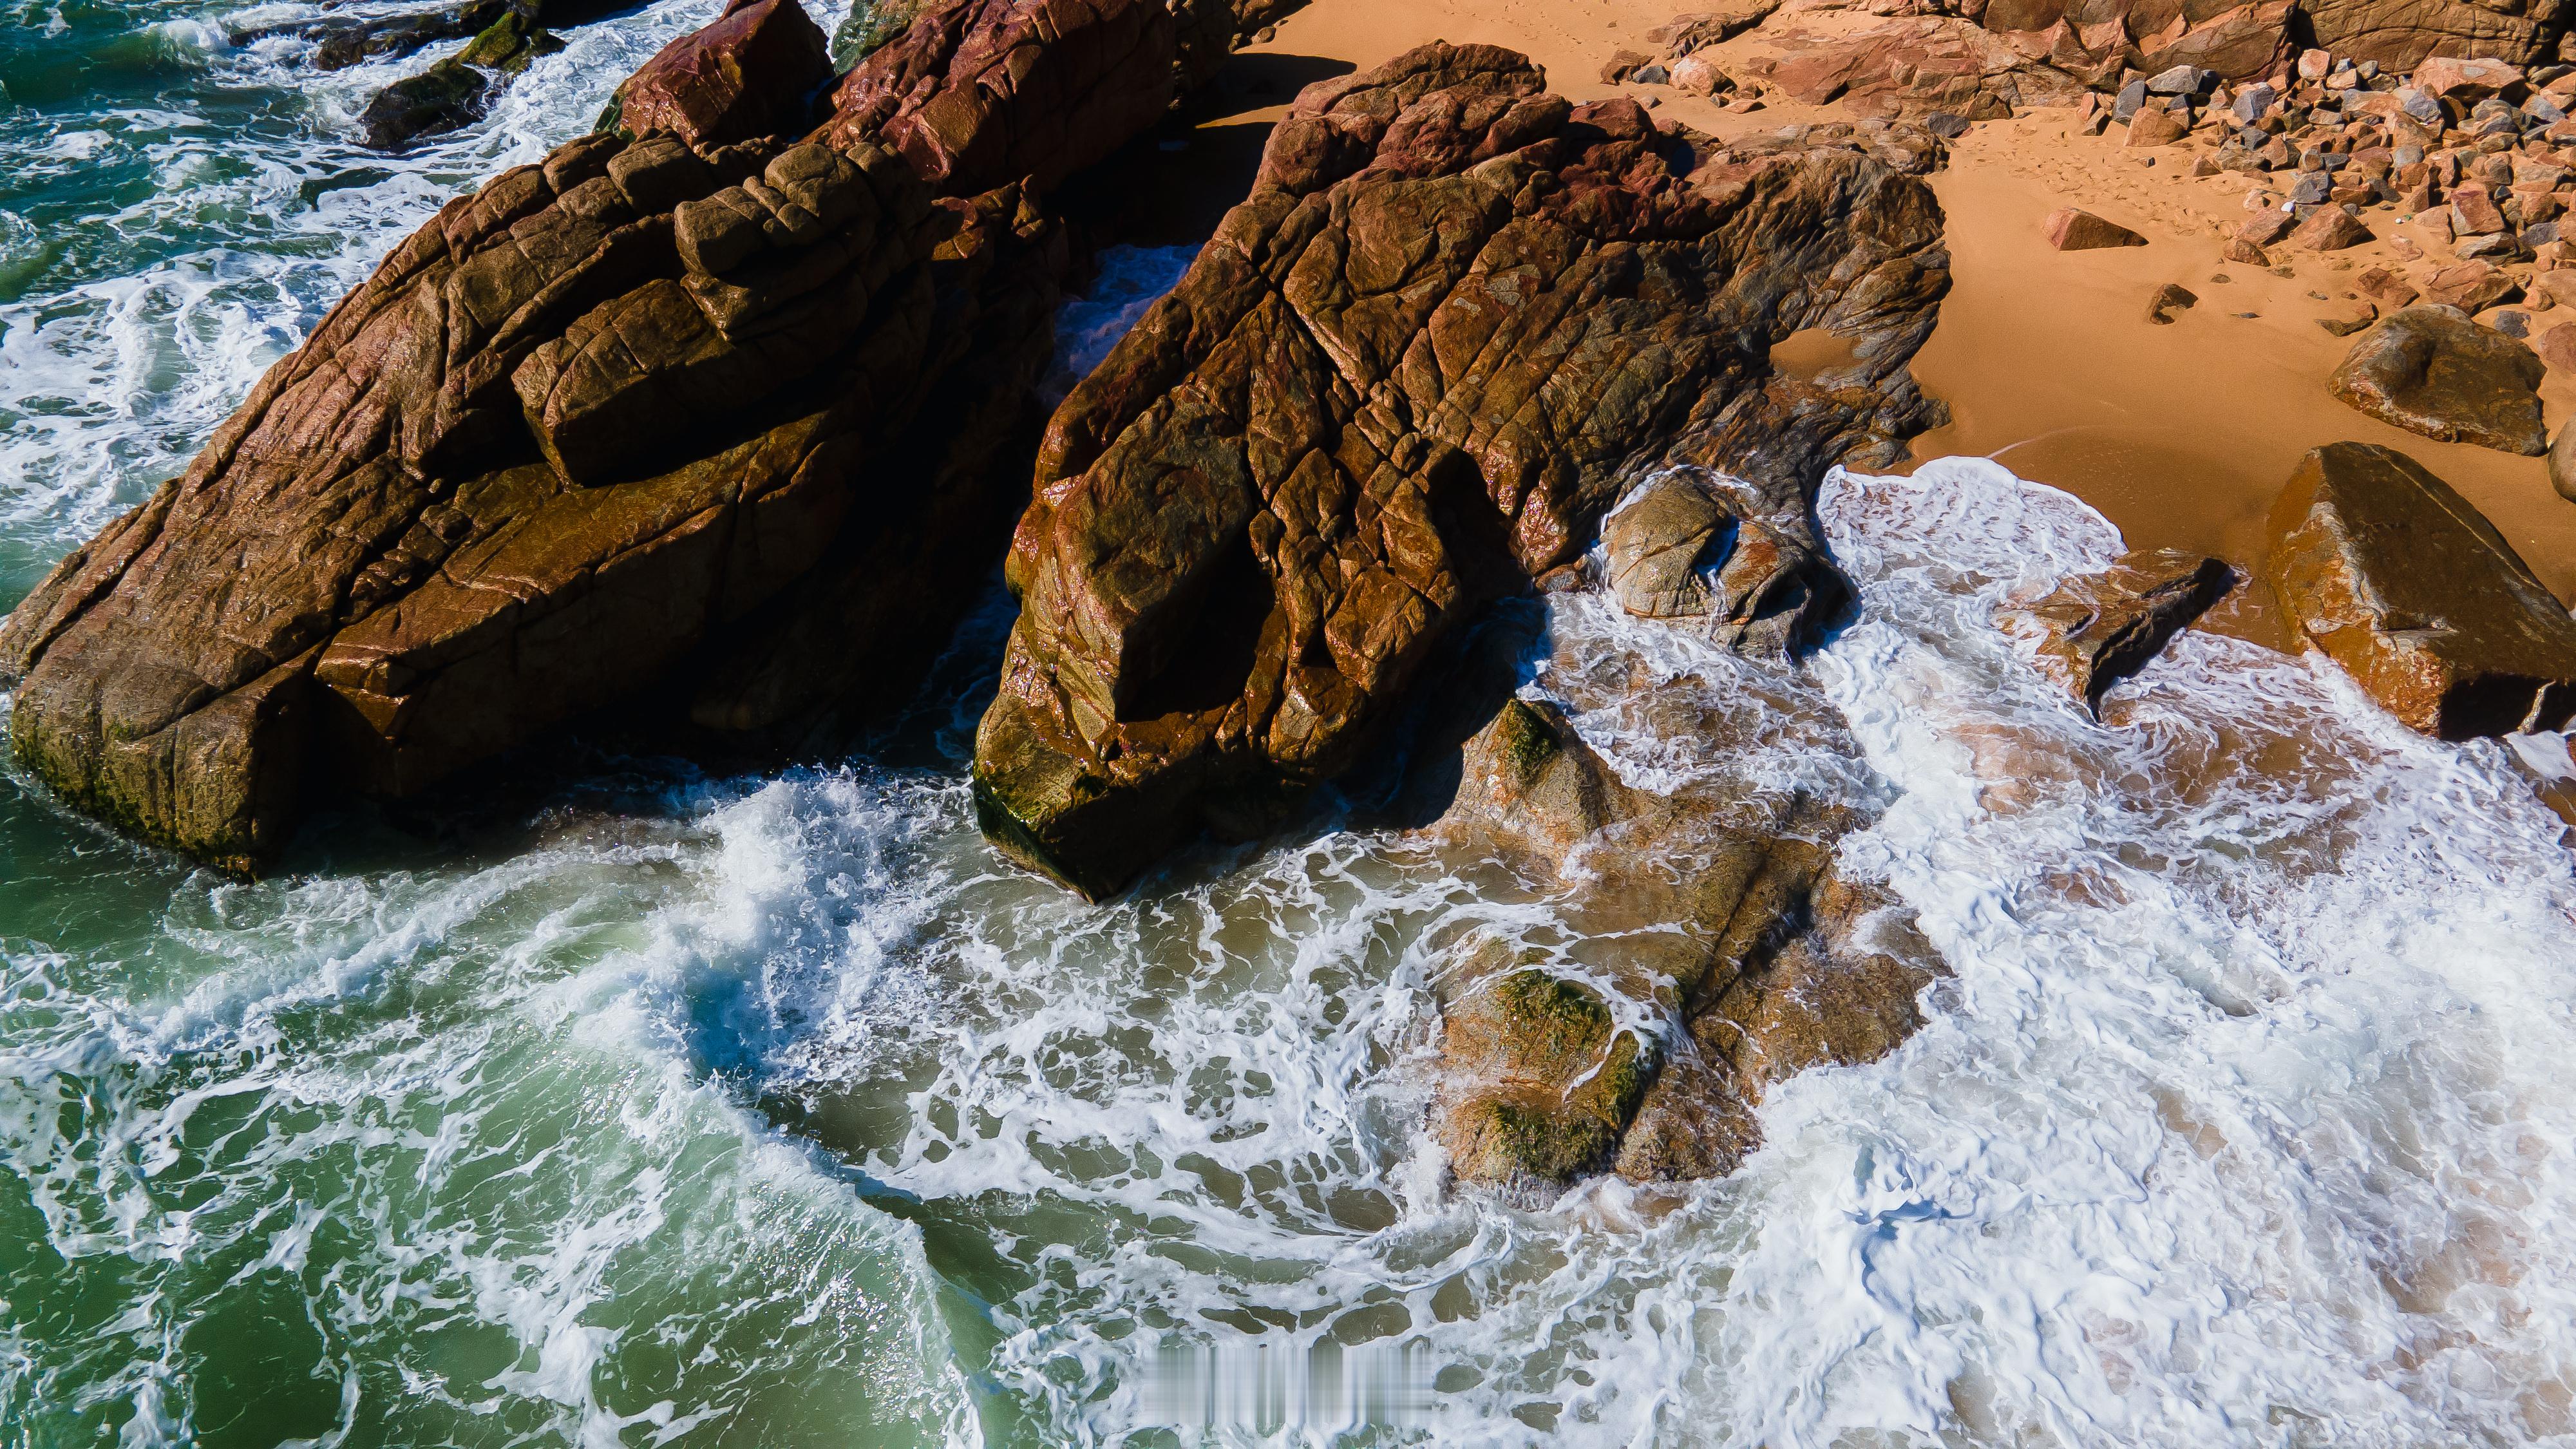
x: 2387, y: 288
x: 2265, y: 228
x: 2071, y: 229
x: 2349, y: 319
x: 2562, y: 463
x: 1621, y: 65
x: 2155, y: 127
x: 2557, y: 347
x: 2330, y: 229
x: 2436, y: 373
x: 2170, y: 298
x: 2238, y: 249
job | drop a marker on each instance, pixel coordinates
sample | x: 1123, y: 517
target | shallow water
x: 774, y: 1110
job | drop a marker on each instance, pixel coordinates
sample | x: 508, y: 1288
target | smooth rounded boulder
x: 2434, y: 371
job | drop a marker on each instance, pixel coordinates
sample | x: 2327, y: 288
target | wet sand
x: 2182, y: 434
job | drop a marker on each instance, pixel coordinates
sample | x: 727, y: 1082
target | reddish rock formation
x: 2097, y: 629
x: 2391, y: 573
x: 1409, y: 372
x: 753, y: 72
x: 980, y: 95
x: 727, y: 421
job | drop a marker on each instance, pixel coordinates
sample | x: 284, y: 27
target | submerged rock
x: 2097, y: 629
x: 2434, y: 371
x: 718, y: 427
x: 2391, y: 573
x: 1745, y: 957
x: 1407, y: 375
x: 1679, y: 550
x: 459, y: 88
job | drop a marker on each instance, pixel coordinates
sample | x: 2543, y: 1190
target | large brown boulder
x: 1743, y: 957
x: 2391, y: 573
x: 2435, y: 371
x: 754, y: 72
x: 1411, y: 372
x: 717, y: 427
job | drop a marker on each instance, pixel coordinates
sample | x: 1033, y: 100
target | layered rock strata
x: 711, y: 415
x: 1408, y: 374
x: 2398, y: 579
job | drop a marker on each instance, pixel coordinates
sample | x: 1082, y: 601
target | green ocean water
x: 603, y: 1101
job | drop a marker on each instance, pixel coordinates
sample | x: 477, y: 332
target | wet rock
x: 2097, y: 629
x: 455, y: 90
x: 2072, y: 230
x: 2433, y: 371
x: 2396, y: 578
x: 1749, y: 951
x: 706, y: 433
x: 754, y: 72
x: 1410, y: 373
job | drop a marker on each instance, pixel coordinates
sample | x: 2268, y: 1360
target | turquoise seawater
x: 614, y: 1103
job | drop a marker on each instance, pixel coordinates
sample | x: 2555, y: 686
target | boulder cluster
x: 717, y: 419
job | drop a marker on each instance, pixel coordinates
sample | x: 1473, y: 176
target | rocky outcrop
x: 976, y: 96
x: 2403, y: 33
x: 457, y: 89
x: 713, y: 428
x: 753, y: 72
x: 2391, y: 573
x: 2433, y: 370
x: 1679, y: 551
x: 2097, y: 629
x: 1746, y: 957
x: 1408, y: 374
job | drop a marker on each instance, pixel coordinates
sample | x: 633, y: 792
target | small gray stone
x: 2183, y: 80
x: 2544, y: 110
x: 2513, y: 324
x: 1651, y: 75
x: 2132, y: 96
x: 1947, y: 125
x: 2540, y: 233
x: 2311, y: 188
x: 2409, y: 154
x: 2253, y: 101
